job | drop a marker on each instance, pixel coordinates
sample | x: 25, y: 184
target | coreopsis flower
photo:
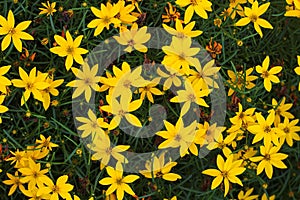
x: 124, y: 13
x: 181, y: 32
x: 235, y: 7
x: 214, y: 49
x: 158, y: 168
x: 13, y: 33
x: 292, y: 9
x: 87, y: 80
x: 178, y: 136
x: 222, y: 143
x: 208, y: 133
x: 106, y: 16
x: 121, y: 109
x: 297, y: 70
x: 243, y: 116
x: 104, y: 150
x: 172, y: 14
x: 134, y: 39
x: 32, y: 84
x: 118, y: 181
x: 264, y: 130
x: 33, y: 193
x: 3, y: 108
x: 148, y: 90
x: 16, y: 181
x: 227, y: 172
x: 91, y: 125
x: 18, y: 158
x: 51, y: 89
x: 35, y: 154
x: 179, y: 55
x: 247, y: 195
x: 270, y: 157
x: 204, y: 76
x: 290, y: 130
x: 45, y: 143
x: 253, y: 15
x: 281, y: 109
x: 34, y: 175
x: 265, y: 197
x: 269, y: 76
x: 105, y: 82
x: 69, y: 48
x: 241, y: 80
x: 199, y: 6
x: 49, y: 8
x: 172, y: 77
x: 61, y: 188
x: 189, y: 95
x: 173, y: 198
x: 4, y: 82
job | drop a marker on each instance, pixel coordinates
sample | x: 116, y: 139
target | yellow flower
x: 69, y: 48
x: 265, y: 197
x: 292, y: 9
x: 104, y: 150
x: 87, y: 80
x: 264, y: 130
x: 32, y: 84
x: 124, y: 13
x: 172, y: 77
x: 222, y: 144
x: 51, y: 89
x: 297, y: 70
x: 173, y: 198
x: 134, y: 39
x: 16, y: 181
x: 4, y: 82
x: 49, y: 8
x: 181, y: 32
x: 243, y: 116
x: 3, y: 108
x: 189, y: 95
x: 91, y: 125
x: 290, y: 130
x: 180, y: 54
x: 11, y: 32
x: 235, y: 7
x: 34, y: 175
x: 241, y: 80
x: 33, y: 193
x: 198, y: 6
x: 122, y: 110
x: 148, y: 90
x: 118, y: 182
x: 178, y: 136
x: 208, y: 133
x: 204, y: 76
x: 253, y: 15
x: 45, y: 143
x: 158, y: 168
x: 61, y: 188
x: 270, y: 157
x: 281, y: 109
x: 246, y: 195
x: 106, y: 16
x: 268, y: 75
x: 18, y: 157
x: 227, y: 172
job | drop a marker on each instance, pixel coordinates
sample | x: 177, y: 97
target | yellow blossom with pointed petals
x: 61, y: 188
x: 87, y: 80
x: 253, y: 15
x: 16, y: 181
x: 45, y: 143
x: 269, y: 76
x: 69, y: 48
x: 4, y: 82
x: 134, y: 38
x: 51, y: 89
x: 270, y: 157
x: 32, y: 84
x: 247, y: 195
x: 297, y: 69
x: 49, y: 8
x: 181, y: 32
x: 227, y: 172
x: 281, y: 109
x: 3, y: 108
x: 148, y: 90
x: 290, y: 130
x: 13, y: 33
x: 200, y: 7
x: 158, y: 168
x: 118, y: 182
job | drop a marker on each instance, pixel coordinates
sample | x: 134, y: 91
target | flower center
x: 225, y: 174
x: 35, y: 174
x: 50, y: 9
x: 119, y: 181
x: 194, y: 2
x: 106, y: 20
x: 12, y: 31
x: 55, y: 189
x: 122, y: 113
x: 177, y: 138
x: 191, y: 97
x: 267, y: 129
x: 253, y: 18
x: 127, y: 83
x: 241, y: 116
x: 267, y: 157
x: 286, y: 130
x: 265, y: 74
x: 29, y: 86
x: 180, y: 35
x: 182, y: 56
x: 131, y: 43
x: 108, y: 151
x: 87, y: 81
x: 70, y: 50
